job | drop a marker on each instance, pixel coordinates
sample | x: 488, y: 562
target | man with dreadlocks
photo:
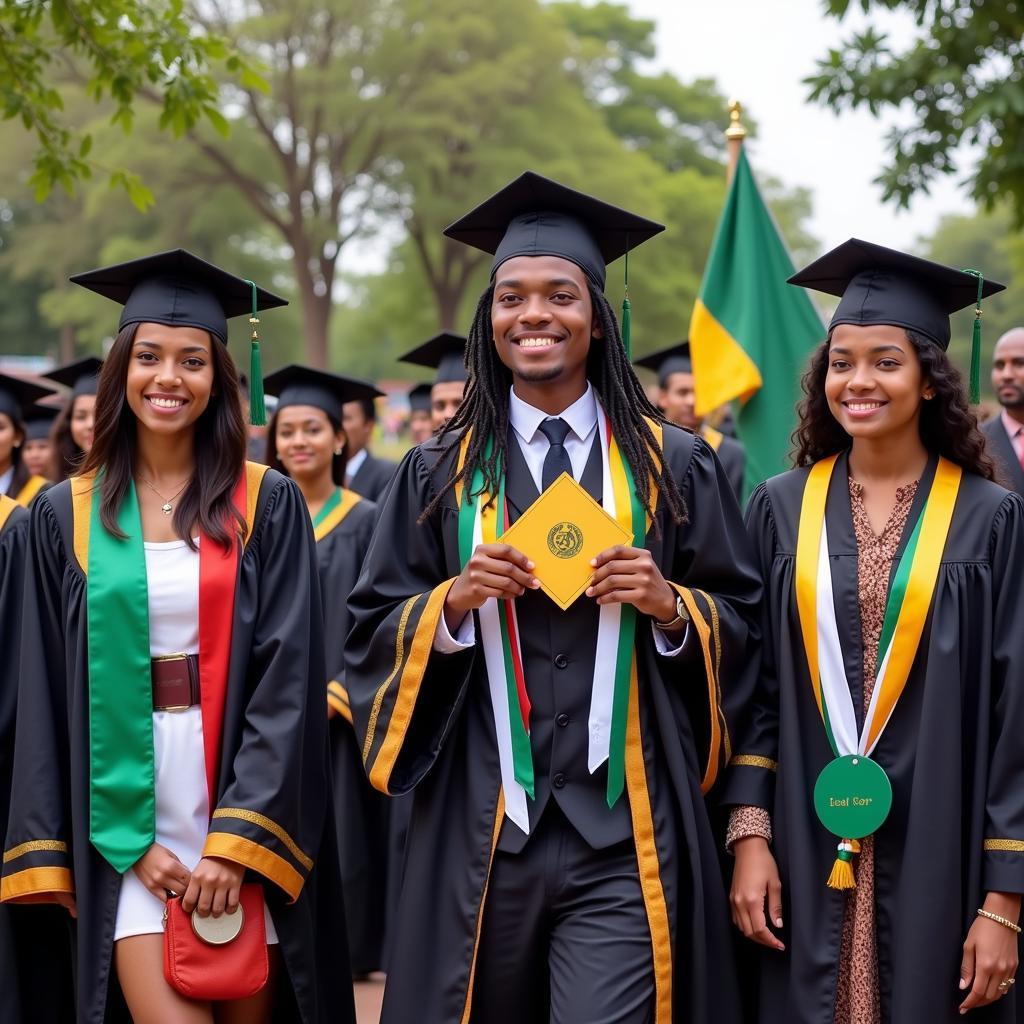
x: 574, y: 879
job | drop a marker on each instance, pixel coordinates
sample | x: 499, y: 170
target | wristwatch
x: 682, y: 615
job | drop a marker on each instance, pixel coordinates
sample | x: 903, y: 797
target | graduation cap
x: 39, y: 421
x: 535, y: 216
x: 179, y: 289
x: 302, y: 385
x: 666, y: 361
x: 446, y: 353
x: 81, y: 376
x: 877, y: 285
x: 16, y: 395
x: 419, y: 398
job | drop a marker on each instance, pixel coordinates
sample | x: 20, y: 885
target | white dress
x: 182, y: 803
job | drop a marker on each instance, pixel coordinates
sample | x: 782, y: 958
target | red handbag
x: 217, y: 958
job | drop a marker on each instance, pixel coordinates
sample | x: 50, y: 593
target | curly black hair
x: 485, y: 409
x: 948, y: 426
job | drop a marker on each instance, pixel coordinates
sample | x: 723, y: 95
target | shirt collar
x: 1010, y: 425
x: 353, y: 465
x: 581, y: 416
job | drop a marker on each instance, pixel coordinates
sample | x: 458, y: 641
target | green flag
x: 751, y: 333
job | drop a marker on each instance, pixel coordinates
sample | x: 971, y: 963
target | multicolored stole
x: 483, y: 518
x: 852, y: 795
x: 32, y: 487
x: 122, y: 810
x: 334, y: 510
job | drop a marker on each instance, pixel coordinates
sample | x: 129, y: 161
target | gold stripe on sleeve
x: 1004, y: 845
x: 258, y: 858
x: 754, y: 761
x: 270, y: 825
x: 35, y: 846
x: 409, y: 687
x: 378, y: 698
x: 35, y: 885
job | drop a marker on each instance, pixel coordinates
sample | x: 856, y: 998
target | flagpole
x: 734, y: 136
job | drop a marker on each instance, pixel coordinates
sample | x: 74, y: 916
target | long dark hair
x: 21, y: 473
x: 485, y: 409
x: 219, y: 447
x: 948, y: 426
x: 67, y: 457
x: 338, y: 462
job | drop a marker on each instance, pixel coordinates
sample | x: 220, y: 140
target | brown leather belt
x: 175, y: 682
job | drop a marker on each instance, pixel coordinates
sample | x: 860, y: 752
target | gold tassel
x: 842, y: 870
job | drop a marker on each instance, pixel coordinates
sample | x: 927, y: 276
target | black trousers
x: 565, y: 937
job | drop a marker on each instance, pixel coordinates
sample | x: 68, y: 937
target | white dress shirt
x: 526, y: 420
x: 353, y: 465
x: 5, y: 479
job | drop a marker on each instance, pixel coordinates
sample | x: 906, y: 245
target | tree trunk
x: 66, y: 344
x: 316, y: 316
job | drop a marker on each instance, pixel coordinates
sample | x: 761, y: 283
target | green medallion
x: 852, y: 796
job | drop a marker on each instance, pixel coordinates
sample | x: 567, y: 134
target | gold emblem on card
x: 560, y: 533
x: 565, y: 540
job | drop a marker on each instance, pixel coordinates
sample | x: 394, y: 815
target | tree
x: 121, y: 50
x: 985, y: 242
x: 962, y: 78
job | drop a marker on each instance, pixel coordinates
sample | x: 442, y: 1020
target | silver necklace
x: 167, y: 507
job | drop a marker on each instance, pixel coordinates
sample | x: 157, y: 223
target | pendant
x: 166, y: 508
x: 853, y: 796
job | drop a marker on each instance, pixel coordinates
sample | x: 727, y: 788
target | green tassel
x: 627, y: 327
x: 257, y: 407
x: 975, y: 379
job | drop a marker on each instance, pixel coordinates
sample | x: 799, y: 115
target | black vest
x: 558, y: 650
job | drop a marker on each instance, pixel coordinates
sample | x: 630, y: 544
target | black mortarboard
x: 666, y: 361
x: 302, y: 385
x: 38, y: 421
x: 81, y: 376
x: 16, y: 395
x: 444, y: 352
x: 419, y: 398
x: 181, y: 290
x: 877, y: 285
x: 535, y: 216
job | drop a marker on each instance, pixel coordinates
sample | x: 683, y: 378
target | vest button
x: 558, y: 780
x: 561, y: 661
x: 562, y: 720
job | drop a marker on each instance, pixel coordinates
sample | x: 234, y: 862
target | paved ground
x: 368, y: 997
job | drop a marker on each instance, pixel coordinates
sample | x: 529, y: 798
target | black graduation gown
x: 360, y: 812
x: 426, y: 725
x: 733, y: 457
x: 274, y: 754
x: 952, y: 751
x: 372, y: 477
x: 35, y: 944
x: 1000, y: 447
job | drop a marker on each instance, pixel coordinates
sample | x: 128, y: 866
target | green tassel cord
x: 975, y: 379
x: 257, y: 407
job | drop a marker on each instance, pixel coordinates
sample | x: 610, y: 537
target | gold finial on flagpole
x: 734, y: 136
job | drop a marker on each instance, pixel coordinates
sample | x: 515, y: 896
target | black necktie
x: 556, y: 462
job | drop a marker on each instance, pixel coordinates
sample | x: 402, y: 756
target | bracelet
x: 1004, y: 921
x: 681, y: 616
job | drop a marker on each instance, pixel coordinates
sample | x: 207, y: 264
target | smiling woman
x: 174, y: 619
x: 891, y: 631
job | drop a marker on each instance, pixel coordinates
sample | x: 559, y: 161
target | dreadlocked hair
x: 485, y: 410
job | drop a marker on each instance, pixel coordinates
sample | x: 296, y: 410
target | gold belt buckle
x: 174, y: 708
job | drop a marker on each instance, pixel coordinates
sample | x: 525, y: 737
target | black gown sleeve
x: 37, y: 851
x: 750, y: 779
x: 271, y: 814
x: 404, y: 695
x: 714, y: 571
x: 1003, y: 866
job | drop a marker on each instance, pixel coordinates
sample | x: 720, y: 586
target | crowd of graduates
x: 763, y: 766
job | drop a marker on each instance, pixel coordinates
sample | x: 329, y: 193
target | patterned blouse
x: 857, y: 999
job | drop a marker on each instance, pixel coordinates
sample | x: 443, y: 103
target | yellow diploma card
x: 560, y: 533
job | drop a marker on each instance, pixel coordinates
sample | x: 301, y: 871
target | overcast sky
x: 758, y: 51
